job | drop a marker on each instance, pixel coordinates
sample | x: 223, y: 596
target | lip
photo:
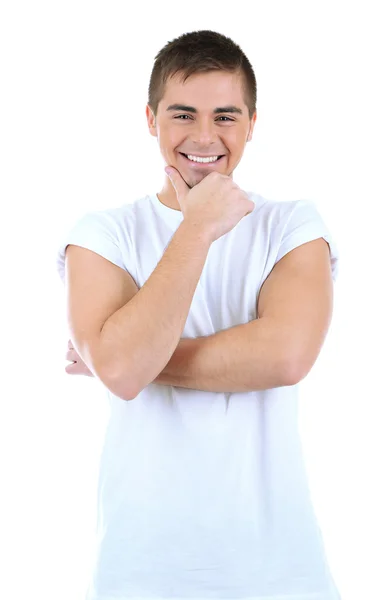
x: 198, y: 165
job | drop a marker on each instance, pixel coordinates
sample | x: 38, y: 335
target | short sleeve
x: 96, y: 231
x: 302, y: 224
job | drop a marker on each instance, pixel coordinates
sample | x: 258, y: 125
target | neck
x: 167, y: 195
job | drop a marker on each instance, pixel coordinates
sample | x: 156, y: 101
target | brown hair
x: 200, y: 52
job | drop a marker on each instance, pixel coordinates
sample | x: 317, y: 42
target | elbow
x: 291, y: 375
x: 121, y: 389
x: 296, y: 369
x: 119, y: 386
x: 109, y: 373
x: 123, y: 394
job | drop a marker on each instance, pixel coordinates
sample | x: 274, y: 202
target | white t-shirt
x: 204, y: 495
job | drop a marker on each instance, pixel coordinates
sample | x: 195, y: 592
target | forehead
x: 205, y: 91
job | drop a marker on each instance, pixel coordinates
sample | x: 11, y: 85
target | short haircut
x: 200, y: 52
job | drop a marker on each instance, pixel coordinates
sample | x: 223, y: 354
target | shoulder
x: 278, y: 208
x: 277, y: 215
x: 118, y: 218
x: 107, y: 232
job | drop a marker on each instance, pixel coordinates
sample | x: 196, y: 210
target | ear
x: 151, y: 120
x: 251, y: 126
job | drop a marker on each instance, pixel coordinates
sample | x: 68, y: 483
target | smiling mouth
x: 203, y: 160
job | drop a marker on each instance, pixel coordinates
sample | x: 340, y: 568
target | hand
x: 78, y: 366
x: 215, y: 204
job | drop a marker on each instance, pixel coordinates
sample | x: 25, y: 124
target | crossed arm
x: 279, y: 347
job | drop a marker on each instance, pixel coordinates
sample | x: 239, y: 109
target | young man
x: 200, y: 308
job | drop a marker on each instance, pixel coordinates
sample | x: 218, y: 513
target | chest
x: 227, y: 291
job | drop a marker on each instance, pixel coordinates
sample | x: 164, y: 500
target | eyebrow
x: 216, y: 111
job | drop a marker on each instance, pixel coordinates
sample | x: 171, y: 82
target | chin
x: 193, y: 179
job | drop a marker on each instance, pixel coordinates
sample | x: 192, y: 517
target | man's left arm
x: 278, y: 348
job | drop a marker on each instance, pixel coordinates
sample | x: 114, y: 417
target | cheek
x: 169, y: 141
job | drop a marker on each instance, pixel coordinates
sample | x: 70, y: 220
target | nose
x: 205, y: 132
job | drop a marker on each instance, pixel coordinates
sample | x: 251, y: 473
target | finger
x: 77, y: 368
x: 71, y: 355
x: 180, y: 186
x: 71, y: 369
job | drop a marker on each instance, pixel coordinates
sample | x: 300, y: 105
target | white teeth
x: 206, y: 159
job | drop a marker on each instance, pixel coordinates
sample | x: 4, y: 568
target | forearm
x: 144, y: 333
x: 244, y: 358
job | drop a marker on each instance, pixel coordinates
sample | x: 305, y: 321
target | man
x: 200, y: 308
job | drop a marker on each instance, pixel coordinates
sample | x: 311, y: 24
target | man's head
x: 202, y: 103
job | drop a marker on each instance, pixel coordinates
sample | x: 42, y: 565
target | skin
x: 295, y: 301
x: 202, y: 133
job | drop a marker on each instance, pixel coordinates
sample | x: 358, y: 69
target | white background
x: 74, y: 78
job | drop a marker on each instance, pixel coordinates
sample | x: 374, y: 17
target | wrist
x: 197, y: 231
x: 176, y: 368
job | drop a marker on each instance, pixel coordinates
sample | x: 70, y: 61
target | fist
x: 216, y: 204
x: 77, y: 366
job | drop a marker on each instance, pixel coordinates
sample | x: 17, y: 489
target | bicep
x: 298, y: 296
x: 95, y: 289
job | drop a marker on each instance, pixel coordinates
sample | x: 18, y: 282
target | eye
x: 188, y: 117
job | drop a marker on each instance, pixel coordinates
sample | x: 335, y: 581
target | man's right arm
x: 127, y: 338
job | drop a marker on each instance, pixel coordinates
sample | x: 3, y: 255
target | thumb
x: 180, y: 186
